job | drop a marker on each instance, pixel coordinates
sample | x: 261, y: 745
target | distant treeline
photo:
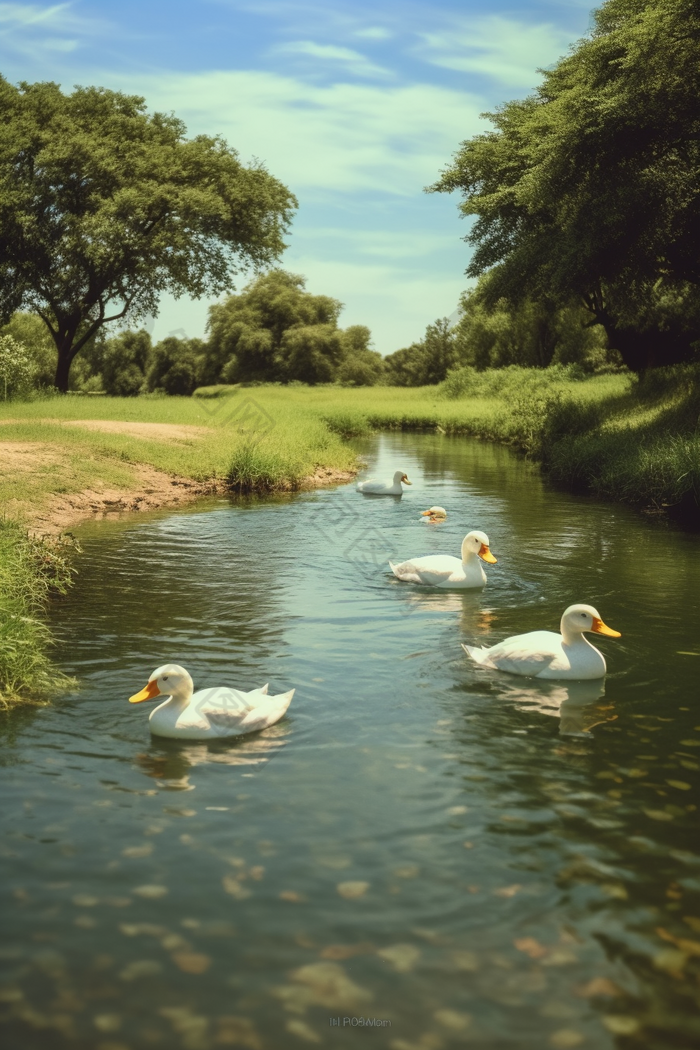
x: 277, y: 332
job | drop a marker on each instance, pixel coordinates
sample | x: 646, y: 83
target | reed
x: 31, y: 571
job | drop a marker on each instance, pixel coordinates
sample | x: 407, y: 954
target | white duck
x: 544, y: 654
x: 442, y: 570
x: 434, y: 514
x: 210, y: 714
x: 384, y: 488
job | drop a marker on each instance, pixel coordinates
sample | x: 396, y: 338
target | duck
x: 434, y: 514
x: 544, y: 654
x: 443, y: 570
x: 209, y: 714
x: 384, y: 488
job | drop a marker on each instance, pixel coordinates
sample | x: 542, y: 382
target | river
x: 458, y: 856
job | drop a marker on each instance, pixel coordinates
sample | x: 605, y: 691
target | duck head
x: 434, y: 513
x: 401, y: 477
x: 477, y: 543
x: 580, y: 618
x: 168, y: 680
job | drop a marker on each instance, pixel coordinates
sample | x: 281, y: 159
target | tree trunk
x: 650, y: 349
x: 66, y: 355
x: 642, y: 350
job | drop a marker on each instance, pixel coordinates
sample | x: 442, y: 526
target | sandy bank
x: 150, y: 489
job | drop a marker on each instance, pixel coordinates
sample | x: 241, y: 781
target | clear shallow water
x: 472, y: 857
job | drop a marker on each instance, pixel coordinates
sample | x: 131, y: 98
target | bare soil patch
x: 151, y: 431
x: 327, y: 476
x: 152, y: 489
x: 155, y: 490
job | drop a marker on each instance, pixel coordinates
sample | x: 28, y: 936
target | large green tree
x: 425, y: 362
x: 103, y: 207
x: 275, y: 330
x: 590, y: 188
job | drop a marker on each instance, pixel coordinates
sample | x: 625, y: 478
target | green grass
x: 30, y: 570
x: 607, y: 434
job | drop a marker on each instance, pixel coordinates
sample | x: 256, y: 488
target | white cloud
x: 502, y: 48
x: 374, y: 33
x: 333, y: 139
x: 396, y: 304
x: 30, y: 30
x: 403, y: 245
x: 352, y: 61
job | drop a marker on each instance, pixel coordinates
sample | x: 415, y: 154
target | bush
x: 174, y: 366
x: 16, y: 369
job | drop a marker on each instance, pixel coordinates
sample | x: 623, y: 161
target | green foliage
x: 276, y: 331
x: 130, y: 206
x: 30, y: 571
x: 16, y: 369
x: 360, y: 366
x: 124, y: 363
x: 31, y: 331
x: 588, y: 189
x: 534, y: 334
x: 174, y: 365
x: 427, y: 361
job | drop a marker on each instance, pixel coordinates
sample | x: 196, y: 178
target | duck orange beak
x: 486, y: 555
x: 600, y: 628
x: 149, y: 692
x: 406, y: 481
x: 426, y: 514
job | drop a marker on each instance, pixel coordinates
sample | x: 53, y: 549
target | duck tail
x: 393, y: 569
x: 264, y: 688
x: 285, y: 699
x: 475, y: 652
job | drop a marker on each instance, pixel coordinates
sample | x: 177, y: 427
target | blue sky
x: 355, y: 106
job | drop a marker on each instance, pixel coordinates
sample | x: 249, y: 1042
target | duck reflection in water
x: 171, y: 762
x: 473, y: 618
x: 579, y: 705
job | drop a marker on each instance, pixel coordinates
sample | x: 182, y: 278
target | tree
x: 103, y: 207
x: 360, y: 366
x: 530, y: 334
x: 124, y: 363
x: 174, y: 365
x: 426, y: 362
x: 588, y: 190
x: 276, y: 331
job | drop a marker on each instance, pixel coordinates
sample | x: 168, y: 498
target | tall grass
x: 30, y: 571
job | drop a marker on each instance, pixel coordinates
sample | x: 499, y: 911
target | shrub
x: 16, y: 370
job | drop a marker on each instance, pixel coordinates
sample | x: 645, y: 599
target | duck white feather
x: 443, y: 570
x: 209, y: 713
x: 544, y: 654
x: 384, y: 488
x: 434, y: 514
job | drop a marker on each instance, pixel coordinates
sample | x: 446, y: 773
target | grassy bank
x: 610, y: 435
x: 30, y: 571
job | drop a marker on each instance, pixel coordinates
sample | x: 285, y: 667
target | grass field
x: 609, y: 435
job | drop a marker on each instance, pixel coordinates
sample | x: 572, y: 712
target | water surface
x: 461, y: 856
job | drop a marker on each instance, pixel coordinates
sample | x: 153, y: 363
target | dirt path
x: 152, y: 431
